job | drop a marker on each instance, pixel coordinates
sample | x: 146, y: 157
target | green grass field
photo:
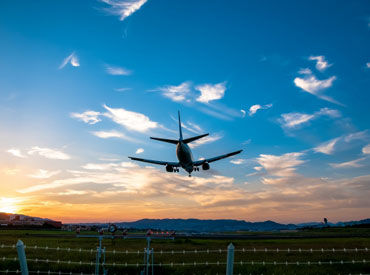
x: 350, y: 239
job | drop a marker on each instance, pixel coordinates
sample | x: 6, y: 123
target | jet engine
x: 169, y: 168
x: 205, y: 166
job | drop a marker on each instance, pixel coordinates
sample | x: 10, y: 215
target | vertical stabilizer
x: 180, y: 131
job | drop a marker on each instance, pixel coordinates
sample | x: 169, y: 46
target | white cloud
x: 16, y: 152
x: 254, y: 108
x: 305, y: 71
x: 49, y: 153
x: 44, y: 174
x: 348, y: 164
x: 321, y: 63
x: 205, y: 140
x: 357, y: 135
x: 11, y: 172
x: 176, y: 93
x: 327, y: 147
x: 123, y: 8
x: 108, y: 166
x: 72, y: 59
x: 113, y: 134
x: 237, y: 161
x: 315, y: 86
x: 122, y: 89
x: 132, y: 121
x: 114, y: 70
x: 368, y: 63
x: 292, y: 120
x: 210, y: 92
x: 108, y: 134
x: 99, y: 166
x: 195, y: 128
x: 90, y: 117
x: 243, y: 112
x: 280, y: 166
x: 139, y: 151
x: 258, y: 168
x: 366, y: 149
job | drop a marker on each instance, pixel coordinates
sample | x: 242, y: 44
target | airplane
x: 184, y: 155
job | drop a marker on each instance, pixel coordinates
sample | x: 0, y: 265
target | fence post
x: 230, y: 259
x: 147, y: 256
x: 98, y: 256
x: 22, y: 257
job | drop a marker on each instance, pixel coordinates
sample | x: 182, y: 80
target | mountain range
x: 226, y: 225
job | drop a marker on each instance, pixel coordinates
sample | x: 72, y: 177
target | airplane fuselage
x: 185, y: 157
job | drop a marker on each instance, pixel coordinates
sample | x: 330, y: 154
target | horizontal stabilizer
x: 173, y: 141
x: 187, y: 140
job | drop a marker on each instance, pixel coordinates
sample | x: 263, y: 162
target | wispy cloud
x: 190, y: 126
x: 314, y: 86
x: 368, y: 65
x: 362, y: 135
x: 139, y: 151
x: 132, y: 121
x: 321, y: 63
x: 210, y: 92
x: 293, y: 120
x: 254, y: 108
x: 305, y: 71
x: 48, y: 153
x: 122, y: 89
x: 348, y: 164
x: 366, y: 149
x: 176, y: 93
x: 72, y: 59
x: 205, y: 140
x: 44, y: 174
x: 114, y: 70
x: 237, y: 161
x: 90, y: 117
x: 243, y: 112
x: 16, y: 152
x: 108, y: 166
x: 327, y: 147
x: 123, y: 8
x: 280, y: 166
x: 11, y: 171
x: 330, y: 146
x: 113, y: 134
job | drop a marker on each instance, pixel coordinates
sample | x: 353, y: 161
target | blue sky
x: 83, y: 84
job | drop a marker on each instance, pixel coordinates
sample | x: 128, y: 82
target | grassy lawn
x: 357, y: 238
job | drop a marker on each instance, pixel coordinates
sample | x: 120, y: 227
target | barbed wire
x: 277, y: 250
x: 364, y: 261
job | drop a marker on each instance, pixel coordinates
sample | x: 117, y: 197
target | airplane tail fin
x: 187, y: 140
x: 180, y: 130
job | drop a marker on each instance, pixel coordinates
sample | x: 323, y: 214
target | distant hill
x: 205, y: 225
x: 190, y: 225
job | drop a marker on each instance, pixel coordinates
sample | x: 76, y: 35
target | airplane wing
x: 200, y: 162
x: 174, y: 164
